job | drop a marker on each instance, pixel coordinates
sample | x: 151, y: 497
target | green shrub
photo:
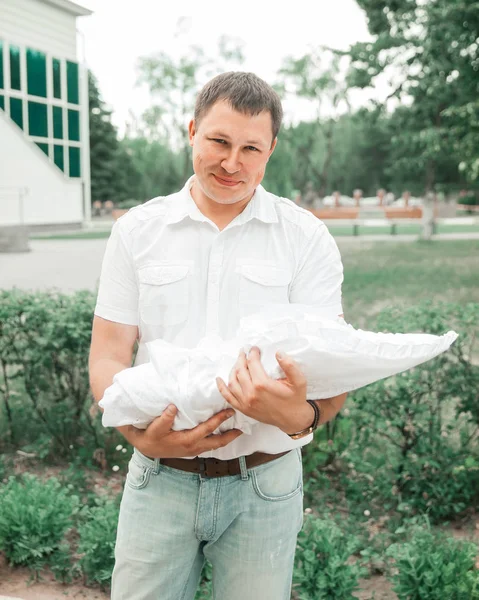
x: 44, y: 345
x: 97, y: 536
x: 435, y: 567
x: 415, y: 447
x: 470, y: 199
x: 205, y: 589
x: 322, y: 568
x: 35, y: 516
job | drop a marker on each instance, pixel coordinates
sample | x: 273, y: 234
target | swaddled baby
x: 334, y: 357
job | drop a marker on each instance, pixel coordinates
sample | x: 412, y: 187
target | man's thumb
x: 288, y: 365
x: 164, y: 422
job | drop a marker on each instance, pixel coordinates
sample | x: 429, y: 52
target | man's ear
x: 273, y: 146
x: 192, y: 132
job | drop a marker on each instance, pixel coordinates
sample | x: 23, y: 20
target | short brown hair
x: 245, y: 92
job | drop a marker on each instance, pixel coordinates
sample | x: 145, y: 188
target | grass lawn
x: 336, y: 230
x: 377, y: 275
x: 401, y: 229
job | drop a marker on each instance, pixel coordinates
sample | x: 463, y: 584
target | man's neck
x: 220, y: 214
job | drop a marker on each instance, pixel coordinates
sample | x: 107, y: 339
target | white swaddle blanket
x: 334, y: 357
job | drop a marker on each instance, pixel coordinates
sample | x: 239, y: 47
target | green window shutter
x: 36, y: 73
x: 16, y: 111
x: 43, y: 147
x: 57, y: 122
x: 2, y: 85
x: 57, y: 78
x: 73, y: 94
x: 2, y: 102
x: 73, y: 125
x: 58, y: 157
x: 74, y: 157
x: 15, y: 80
x: 37, y: 119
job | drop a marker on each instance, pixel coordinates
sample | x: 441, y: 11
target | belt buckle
x: 203, y: 466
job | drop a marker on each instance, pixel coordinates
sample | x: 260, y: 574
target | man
x: 192, y: 264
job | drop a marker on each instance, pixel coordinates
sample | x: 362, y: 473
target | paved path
x: 68, y: 265
x: 71, y: 265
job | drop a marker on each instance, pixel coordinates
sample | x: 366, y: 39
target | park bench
x: 349, y: 216
x: 343, y: 212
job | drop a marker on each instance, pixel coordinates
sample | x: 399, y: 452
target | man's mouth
x: 227, y: 182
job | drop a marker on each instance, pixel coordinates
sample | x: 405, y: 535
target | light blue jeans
x: 246, y: 525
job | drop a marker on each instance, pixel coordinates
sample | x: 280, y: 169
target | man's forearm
x: 101, y: 375
x: 330, y: 407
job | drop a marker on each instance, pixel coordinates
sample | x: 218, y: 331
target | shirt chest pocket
x: 262, y: 284
x: 164, y: 294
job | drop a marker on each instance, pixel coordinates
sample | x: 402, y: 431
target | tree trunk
x: 428, y: 222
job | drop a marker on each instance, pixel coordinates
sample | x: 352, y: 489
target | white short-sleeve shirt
x: 169, y: 270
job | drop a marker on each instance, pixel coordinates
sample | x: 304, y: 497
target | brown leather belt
x: 213, y: 467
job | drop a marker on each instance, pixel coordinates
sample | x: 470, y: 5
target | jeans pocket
x: 138, y: 474
x: 279, y: 480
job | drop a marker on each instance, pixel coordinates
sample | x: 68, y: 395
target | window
x: 16, y: 111
x: 73, y: 125
x: 57, y: 122
x: 15, y: 79
x: 2, y: 102
x: 1, y: 66
x: 57, y: 78
x: 58, y: 156
x: 37, y: 119
x: 43, y: 147
x: 72, y: 83
x: 36, y: 73
x: 74, y: 156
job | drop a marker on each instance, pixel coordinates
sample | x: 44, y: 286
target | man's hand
x: 279, y: 402
x: 158, y: 440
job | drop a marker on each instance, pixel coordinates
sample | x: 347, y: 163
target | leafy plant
x: 432, y: 566
x: 96, y: 547
x: 415, y: 447
x: 44, y: 345
x: 323, y: 570
x: 205, y: 590
x: 35, y: 516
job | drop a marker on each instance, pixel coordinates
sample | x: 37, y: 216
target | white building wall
x: 39, y: 26
x: 27, y: 177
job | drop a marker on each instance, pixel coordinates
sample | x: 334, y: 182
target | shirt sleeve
x: 319, y: 276
x: 117, y: 298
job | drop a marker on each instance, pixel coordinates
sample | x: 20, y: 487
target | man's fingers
x: 226, y: 393
x: 164, y: 423
x: 255, y: 367
x: 243, y: 375
x: 213, y: 442
x: 291, y: 369
x: 204, y: 429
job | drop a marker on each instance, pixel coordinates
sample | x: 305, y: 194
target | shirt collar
x: 182, y: 205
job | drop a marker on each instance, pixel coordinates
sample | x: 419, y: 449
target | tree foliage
x: 113, y: 176
x: 428, y: 53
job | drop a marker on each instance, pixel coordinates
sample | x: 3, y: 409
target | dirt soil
x: 14, y: 583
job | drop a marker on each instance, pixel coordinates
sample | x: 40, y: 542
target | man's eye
x: 252, y: 148
x: 219, y: 141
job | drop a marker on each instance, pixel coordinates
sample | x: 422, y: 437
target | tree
x: 113, y: 176
x: 159, y: 168
x: 173, y: 85
x: 428, y: 51
x: 316, y: 77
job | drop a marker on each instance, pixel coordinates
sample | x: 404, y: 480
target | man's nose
x: 231, y: 163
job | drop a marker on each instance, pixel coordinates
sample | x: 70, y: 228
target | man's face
x: 230, y: 152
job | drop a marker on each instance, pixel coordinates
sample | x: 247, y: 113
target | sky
x: 120, y: 31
